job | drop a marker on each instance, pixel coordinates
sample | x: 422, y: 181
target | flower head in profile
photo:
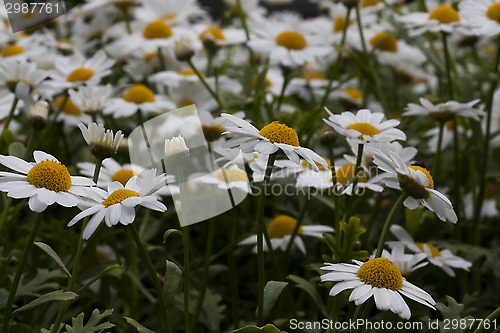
x: 102, y: 142
x: 45, y: 182
x: 482, y: 16
x: 365, y: 126
x: 444, y: 111
x: 280, y: 232
x: 117, y: 204
x: 380, y: 278
x: 270, y: 139
x: 176, y: 146
x: 443, y: 18
x: 417, y: 182
x: 406, y: 262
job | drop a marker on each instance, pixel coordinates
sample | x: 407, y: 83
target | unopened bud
x: 38, y: 114
x: 176, y: 148
x: 183, y: 49
x: 328, y: 138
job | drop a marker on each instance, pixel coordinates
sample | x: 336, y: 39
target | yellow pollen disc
x: 52, y: 175
x: 283, y: 225
x: 338, y: 24
x: 494, y: 12
x: 291, y: 40
x: 434, y: 251
x: 267, y: 82
x: 280, y: 133
x: 80, y: 74
x: 385, y: 41
x: 444, y: 14
x: 122, y: 176
x: 139, y: 94
x: 69, y: 108
x: 64, y: 42
x: 212, y: 32
x: 364, y: 129
x: 12, y: 50
x: 346, y: 172
x: 353, y: 92
x: 426, y: 173
x: 369, y: 3
x: 232, y: 175
x: 157, y: 29
x: 185, y: 102
x: 304, y: 164
x: 381, y: 273
x: 314, y: 76
x: 149, y: 56
x: 187, y: 72
x: 118, y: 196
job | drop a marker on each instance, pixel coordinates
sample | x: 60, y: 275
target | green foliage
x: 453, y: 311
x: 93, y: 325
x: 310, y: 289
x: 272, y: 291
x: 343, y: 244
x: 254, y: 329
x: 173, y: 276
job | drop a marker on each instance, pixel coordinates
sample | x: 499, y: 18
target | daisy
x: 45, y: 182
x: 320, y: 180
x: 448, y: 134
x: 137, y: 98
x: 380, y: 278
x: 407, y: 263
x: 70, y: 114
x: 16, y: 71
x: 482, y: 16
x: 228, y: 178
x: 220, y: 36
x: 6, y: 101
x: 91, y: 99
x: 102, y: 143
x: 117, y: 205
x: 169, y: 11
x: 280, y: 231
x: 445, y: 111
x: 489, y: 206
x: 111, y: 171
x: 417, y: 182
x: 440, y: 258
x: 270, y: 139
x: 365, y: 126
x: 345, y: 180
x: 349, y: 97
x: 443, y: 18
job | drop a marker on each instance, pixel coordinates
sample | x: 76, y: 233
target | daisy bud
x: 328, y: 138
x: 38, y: 114
x: 102, y: 142
x: 176, y: 147
x: 209, y: 43
x: 183, y: 49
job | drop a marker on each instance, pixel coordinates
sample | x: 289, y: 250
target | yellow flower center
x: 122, y: 176
x: 139, y: 94
x: 52, y: 175
x: 314, y: 76
x: 80, y: 74
x: 232, y: 175
x: 12, y: 50
x: 494, y: 12
x: 118, y: 196
x: 280, y: 133
x: 434, y: 251
x: 291, y: 40
x: 354, y: 93
x: 157, y: 29
x: 282, y: 226
x: 346, y: 172
x: 444, y: 14
x: 381, y: 273
x: 304, y: 164
x: 385, y: 41
x: 426, y: 173
x: 364, y: 129
x: 69, y: 108
x: 267, y: 83
x: 369, y: 3
x: 185, y: 102
x: 149, y: 56
x: 339, y: 24
x: 212, y: 32
x: 187, y: 72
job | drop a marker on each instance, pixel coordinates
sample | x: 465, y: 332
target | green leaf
x: 169, y: 232
x: 272, y: 291
x: 344, y: 243
x: 17, y: 149
x: 310, y: 289
x: 92, y: 325
x: 412, y: 219
x: 254, y: 329
x: 97, y: 277
x: 139, y: 327
x: 47, y: 249
x: 56, y: 295
x: 173, y: 276
x: 7, y: 137
x: 451, y: 312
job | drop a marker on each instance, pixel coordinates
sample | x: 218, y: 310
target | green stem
x: 160, y: 59
x: 19, y: 271
x: 233, y: 282
x: 458, y: 172
x: 286, y: 81
x: 296, y: 229
x: 209, y: 89
x: 387, y: 224
x: 245, y: 28
x: 11, y: 113
x: 5, y: 211
x: 185, y: 238
x: 260, y: 239
x: 359, y: 171
x: 437, y: 156
x: 336, y: 201
x: 447, y: 60
x: 488, y: 319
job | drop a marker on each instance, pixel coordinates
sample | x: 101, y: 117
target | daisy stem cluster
x: 387, y: 224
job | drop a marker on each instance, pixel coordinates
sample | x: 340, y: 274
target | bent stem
x: 19, y: 271
x: 260, y: 239
x: 387, y: 224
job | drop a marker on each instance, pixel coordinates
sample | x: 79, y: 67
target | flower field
x: 165, y: 167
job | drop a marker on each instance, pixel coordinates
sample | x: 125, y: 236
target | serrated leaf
x: 272, y: 291
x: 173, y: 276
x: 92, y: 325
x: 344, y: 243
x: 269, y: 328
x: 310, y: 289
x: 451, y: 312
x: 47, y: 249
x: 56, y: 295
x: 138, y: 326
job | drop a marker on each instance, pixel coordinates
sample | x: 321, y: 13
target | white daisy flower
x: 70, y: 114
x: 345, y: 177
x: 380, y: 278
x: 13, y: 72
x: 102, y: 142
x: 445, y: 111
x: 45, y: 182
x: 447, y: 140
x: 270, y: 139
x: 443, y: 18
x: 228, y: 178
x: 350, y: 97
x: 320, y: 180
x: 417, y: 182
x: 117, y: 205
x: 407, y: 263
x: 280, y: 232
x: 170, y: 11
x: 440, y: 258
x: 111, y: 171
x: 365, y: 126
x: 220, y: 36
x: 6, y: 101
x: 91, y: 99
x: 482, y: 16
